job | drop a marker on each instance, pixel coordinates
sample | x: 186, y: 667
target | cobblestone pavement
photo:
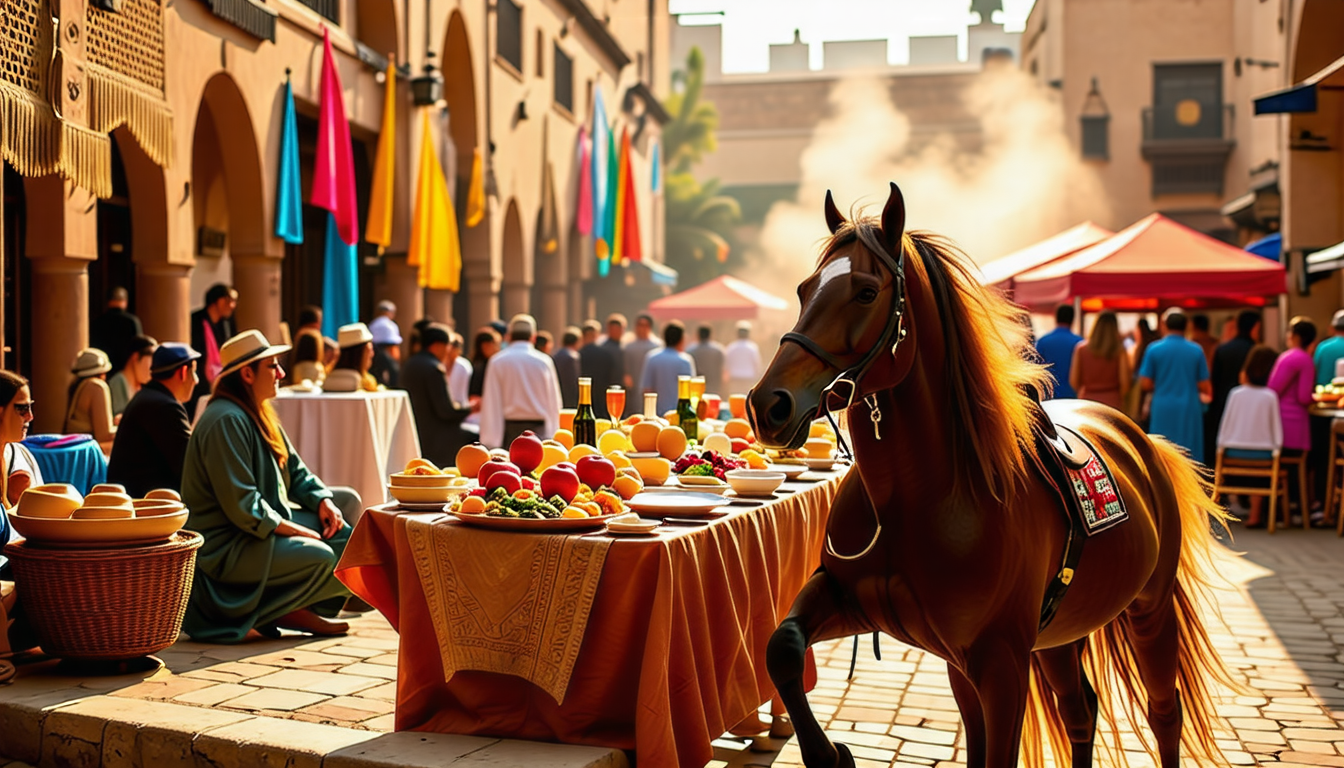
x: 1281, y: 633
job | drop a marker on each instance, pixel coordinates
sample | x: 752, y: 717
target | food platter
x: 676, y: 503
x: 533, y: 525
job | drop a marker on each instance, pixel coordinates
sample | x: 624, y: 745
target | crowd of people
x: 1235, y: 395
x: 197, y: 418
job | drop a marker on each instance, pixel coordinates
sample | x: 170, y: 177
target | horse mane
x: 990, y: 362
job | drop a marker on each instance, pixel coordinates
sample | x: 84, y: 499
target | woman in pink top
x: 1294, y: 378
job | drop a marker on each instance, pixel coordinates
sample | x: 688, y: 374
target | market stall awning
x: 723, y: 298
x: 1001, y: 271
x: 1156, y: 260
x: 1326, y: 260
x: 1302, y: 97
x: 1269, y: 246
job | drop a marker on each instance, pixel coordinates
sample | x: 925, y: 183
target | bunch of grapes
x: 707, y: 463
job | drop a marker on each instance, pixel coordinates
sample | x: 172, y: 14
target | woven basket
x: 106, y: 604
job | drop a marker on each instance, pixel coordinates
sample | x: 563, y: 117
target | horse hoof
x: 843, y: 757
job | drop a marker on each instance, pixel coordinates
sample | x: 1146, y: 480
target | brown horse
x: 946, y: 538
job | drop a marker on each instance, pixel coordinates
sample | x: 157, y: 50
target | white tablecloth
x: 351, y: 438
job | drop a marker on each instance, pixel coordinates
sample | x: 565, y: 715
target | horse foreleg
x: 1077, y: 701
x: 972, y: 716
x: 1001, y: 677
x: 816, y: 615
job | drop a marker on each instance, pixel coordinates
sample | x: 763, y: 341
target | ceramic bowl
x: 164, y: 493
x: 403, y: 480
x: 821, y: 465
x: 50, y: 501
x: 108, y: 488
x: 654, y: 469
x: 107, y: 499
x: 104, y: 513
x: 754, y: 482
x: 151, y: 507
x: 410, y: 495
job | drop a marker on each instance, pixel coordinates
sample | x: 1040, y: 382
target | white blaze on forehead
x: 833, y: 269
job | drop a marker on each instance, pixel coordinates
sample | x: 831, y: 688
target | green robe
x: 246, y: 576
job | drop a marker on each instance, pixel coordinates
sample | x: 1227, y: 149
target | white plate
x: 718, y: 488
x: 790, y: 470
x: 680, y: 503
x: 820, y: 465
x: 641, y: 528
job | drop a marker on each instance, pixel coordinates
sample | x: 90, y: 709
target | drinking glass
x: 615, y: 403
x: 738, y: 405
x: 567, y: 418
x: 712, y: 405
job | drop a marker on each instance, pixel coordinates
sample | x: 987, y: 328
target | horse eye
x: 867, y: 296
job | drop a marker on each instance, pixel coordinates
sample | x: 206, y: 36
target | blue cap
x: 171, y: 355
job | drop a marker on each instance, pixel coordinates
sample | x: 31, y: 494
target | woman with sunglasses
x: 20, y: 468
x: 273, y: 532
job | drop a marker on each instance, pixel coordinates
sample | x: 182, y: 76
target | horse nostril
x: 780, y: 411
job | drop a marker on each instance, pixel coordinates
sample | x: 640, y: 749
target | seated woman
x: 351, y: 373
x: 20, y: 472
x: 308, y: 354
x: 1252, y: 427
x: 134, y: 375
x: 273, y: 532
x: 90, y: 400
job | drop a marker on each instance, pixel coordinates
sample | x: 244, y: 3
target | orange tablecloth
x: 674, y: 651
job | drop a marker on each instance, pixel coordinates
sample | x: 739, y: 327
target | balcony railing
x: 1171, y: 126
x: 1188, y: 149
x: 327, y: 9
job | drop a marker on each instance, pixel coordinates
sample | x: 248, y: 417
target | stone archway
x: 229, y: 210
x: 376, y: 25
x: 517, y: 267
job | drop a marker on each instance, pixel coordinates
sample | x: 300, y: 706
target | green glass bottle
x: 686, y: 418
x: 585, y: 421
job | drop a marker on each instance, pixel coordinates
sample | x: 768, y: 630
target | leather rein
x: 892, y: 335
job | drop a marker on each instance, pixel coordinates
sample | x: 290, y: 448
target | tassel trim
x: 37, y: 143
x: 116, y: 100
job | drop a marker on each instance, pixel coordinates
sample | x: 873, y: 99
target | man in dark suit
x: 567, y: 366
x: 115, y: 328
x: 597, y: 361
x: 437, y: 418
x: 151, y: 442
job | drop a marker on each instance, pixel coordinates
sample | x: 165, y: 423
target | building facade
x: 142, y: 141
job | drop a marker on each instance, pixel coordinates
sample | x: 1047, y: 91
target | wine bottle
x: 686, y: 417
x: 585, y: 421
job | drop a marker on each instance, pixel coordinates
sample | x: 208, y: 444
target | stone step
x: 62, y: 724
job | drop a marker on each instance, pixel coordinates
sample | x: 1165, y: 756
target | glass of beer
x: 615, y: 403
x: 567, y: 418
x: 712, y: 405
x: 738, y: 405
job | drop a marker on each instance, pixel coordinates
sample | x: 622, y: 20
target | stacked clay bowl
x: 55, y: 515
x: 419, y: 488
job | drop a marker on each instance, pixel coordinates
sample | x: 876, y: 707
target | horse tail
x: 1110, y: 659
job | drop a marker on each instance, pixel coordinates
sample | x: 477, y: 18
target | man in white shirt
x: 742, y: 361
x: 459, y: 371
x: 521, y: 389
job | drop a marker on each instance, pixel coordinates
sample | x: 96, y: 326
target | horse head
x: 853, y: 335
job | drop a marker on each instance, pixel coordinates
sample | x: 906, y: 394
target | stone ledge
x: 66, y: 724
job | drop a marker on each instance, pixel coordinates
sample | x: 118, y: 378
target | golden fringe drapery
x: 115, y: 99
x: 36, y: 143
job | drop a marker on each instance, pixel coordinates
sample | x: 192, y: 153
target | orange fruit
x: 565, y: 438
x: 581, y: 450
x: 619, y: 459
x: 671, y: 443
x: 470, y: 458
x: 737, y: 428
x: 572, y: 511
x: 627, y: 486
x: 612, y: 440
x: 644, y: 435
x: 473, y: 505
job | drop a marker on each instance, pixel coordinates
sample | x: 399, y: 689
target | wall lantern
x: 427, y: 89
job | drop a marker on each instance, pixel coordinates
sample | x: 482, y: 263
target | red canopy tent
x: 1001, y: 271
x: 1153, y: 262
x: 723, y: 298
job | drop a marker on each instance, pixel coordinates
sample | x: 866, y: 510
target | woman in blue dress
x: 1177, y: 373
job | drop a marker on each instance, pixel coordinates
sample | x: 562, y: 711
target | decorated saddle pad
x: 1086, y: 483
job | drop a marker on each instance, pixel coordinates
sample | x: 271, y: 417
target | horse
x: 944, y: 537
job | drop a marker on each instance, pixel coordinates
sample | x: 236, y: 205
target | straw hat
x: 244, y: 349
x: 90, y: 362
x: 353, y: 335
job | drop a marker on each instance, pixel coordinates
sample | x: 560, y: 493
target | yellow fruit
x: 425, y: 464
x: 613, y: 440
x: 738, y: 428
x: 820, y: 429
x: 653, y: 470
x: 565, y: 438
x: 627, y: 486
x: 581, y: 450
x: 603, y: 425
x: 619, y: 459
x: 609, y: 502
x: 644, y: 435
x: 671, y: 443
x: 591, y: 507
x: 671, y: 418
x: 472, y: 505
x: 551, y: 455
x: 470, y: 458
x: 573, y: 511
x: 754, y: 460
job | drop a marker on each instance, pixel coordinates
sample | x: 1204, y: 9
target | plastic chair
x: 1273, y: 468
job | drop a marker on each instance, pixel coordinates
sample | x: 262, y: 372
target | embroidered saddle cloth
x: 1086, y: 487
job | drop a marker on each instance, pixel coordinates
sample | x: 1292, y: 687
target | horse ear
x: 833, y: 217
x: 893, y: 219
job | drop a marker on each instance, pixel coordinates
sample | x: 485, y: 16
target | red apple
x: 560, y: 481
x: 506, y: 480
x: 596, y: 471
x: 528, y: 483
x: 740, y: 445
x: 526, y: 451
x: 495, y: 465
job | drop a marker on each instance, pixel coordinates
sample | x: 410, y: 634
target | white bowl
x: 821, y: 465
x: 754, y: 482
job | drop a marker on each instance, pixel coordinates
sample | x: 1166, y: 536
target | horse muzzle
x: 778, y: 419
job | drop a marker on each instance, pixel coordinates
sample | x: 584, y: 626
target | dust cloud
x: 1024, y: 184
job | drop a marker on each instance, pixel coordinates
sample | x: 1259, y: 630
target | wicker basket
x: 106, y: 604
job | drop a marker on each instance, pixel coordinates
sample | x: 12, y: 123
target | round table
x: 69, y: 459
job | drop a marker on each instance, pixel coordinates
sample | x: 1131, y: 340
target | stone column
x: 482, y: 300
x: 257, y: 279
x: 167, y: 314
x: 439, y: 305
x: 553, y: 314
x: 516, y: 298
x: 61, y: 289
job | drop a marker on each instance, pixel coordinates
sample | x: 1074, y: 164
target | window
x: 1187, y: 101
x: 327, y: 9
x: 509, y: 33
x: 1096, y: 138
x: 564, y: 80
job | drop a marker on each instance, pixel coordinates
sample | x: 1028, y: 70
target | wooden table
x: 673, y: 650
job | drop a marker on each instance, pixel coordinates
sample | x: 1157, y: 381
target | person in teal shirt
x: 1329, y: 352
x: 1177, y: 373
x: 273, y: 531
